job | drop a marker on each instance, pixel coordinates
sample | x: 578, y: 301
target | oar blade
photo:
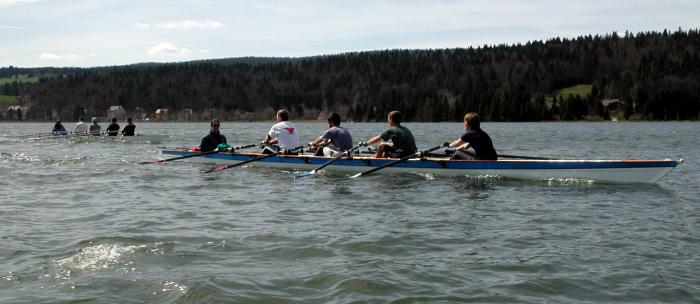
x: 157, y: 161
x: 219, y: 168
x: 356, y: 175
x: 302, y: 174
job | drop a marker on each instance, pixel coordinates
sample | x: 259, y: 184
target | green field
x: 19, y: 78
x: 580, y: 89
x: 6, y: 100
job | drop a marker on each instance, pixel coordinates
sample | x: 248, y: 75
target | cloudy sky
x: 88, y: 33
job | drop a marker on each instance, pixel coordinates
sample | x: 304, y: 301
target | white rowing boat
x: 606, y: 171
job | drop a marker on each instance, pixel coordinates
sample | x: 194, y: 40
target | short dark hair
x: 472, y: 119
x: 215, y: 120
x: 128, y: 119
x: 114, y: 119
x: 283, y: 114
x: 334, y: 118
x: 395, y: 116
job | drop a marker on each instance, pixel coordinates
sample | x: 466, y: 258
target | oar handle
x: 343, y: 154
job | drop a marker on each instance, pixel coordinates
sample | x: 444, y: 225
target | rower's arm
x: 374, y: 140
x: 319, y: 142
x: 459, y: 144
x: 269, y: 140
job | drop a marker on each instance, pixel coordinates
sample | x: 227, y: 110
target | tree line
x: 654, y: 75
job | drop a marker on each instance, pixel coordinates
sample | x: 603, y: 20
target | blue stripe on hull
x: 437, y: 164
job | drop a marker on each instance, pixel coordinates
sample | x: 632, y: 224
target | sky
x: 87, y: 33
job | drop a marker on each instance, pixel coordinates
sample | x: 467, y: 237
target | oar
x: 55, y: 136
x: 348, y: 152
x: 193, y: 155
x: 221, y: 168
x: 515, y: 156
x: 403, y: 159
x: 27, y: 135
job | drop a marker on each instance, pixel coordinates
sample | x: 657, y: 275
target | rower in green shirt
x: 402, y: 141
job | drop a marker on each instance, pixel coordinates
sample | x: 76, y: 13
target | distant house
x: 614, y: 106
x: 17, y: 112
x: 140, y: 114
x: 161, y: 114
x: 117, y: 112
x: 185, y: 115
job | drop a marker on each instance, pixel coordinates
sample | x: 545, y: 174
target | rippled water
x: 82, y: 222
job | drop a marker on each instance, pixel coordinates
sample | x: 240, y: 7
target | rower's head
x: 471, y: 121
x: 394, y: 118
x: 334, y: 119
x: 282, y: 115
x: 215, y: 124
x: 94, y: 120
x: 81, y: 118
x: 128, y: 119
x: 114, y: 120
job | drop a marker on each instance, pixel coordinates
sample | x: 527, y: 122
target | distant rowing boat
x: 606, y: 171
x: 138, y: 138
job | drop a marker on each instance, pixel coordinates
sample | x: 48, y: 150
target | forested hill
x: 650, y: 75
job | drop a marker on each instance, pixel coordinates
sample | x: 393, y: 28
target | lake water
x: 82, y: 222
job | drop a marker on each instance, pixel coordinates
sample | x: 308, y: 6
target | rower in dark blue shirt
x: 58, y: 129
x: 476, y: 138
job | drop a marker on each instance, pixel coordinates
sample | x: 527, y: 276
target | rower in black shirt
x: 113, y: 128
x: 213, y: 139
x: 129, y: 128
x: 476, y: 138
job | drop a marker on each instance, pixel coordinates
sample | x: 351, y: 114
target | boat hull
x: 607, y: 171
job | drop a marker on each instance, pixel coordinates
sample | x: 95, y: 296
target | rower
x: 80, y: 128
x: 476, y: 138
x: 95, y: 128
x: 334, y: 140
x: 402, y: 141
x: 113, y: 128
x: 129, y: 128
x: 214, y: 138
x: 58, y: 128
x: 283, y: 135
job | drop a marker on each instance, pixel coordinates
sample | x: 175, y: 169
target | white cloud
x: 191, y: 25
x: 141, y: 25
x: 167, y: 49
x: 13, y: 2
x: 203, y: 51
x: 53, y: 56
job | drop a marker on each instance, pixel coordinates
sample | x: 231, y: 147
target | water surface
x: 83, y: 222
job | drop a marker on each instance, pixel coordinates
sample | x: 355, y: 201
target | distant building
x: 185, y: 115
x: 140, y: 114
x: 161, y: 114
x: 17, y: 112
x: 117, y: 112
x: 614, y: 106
